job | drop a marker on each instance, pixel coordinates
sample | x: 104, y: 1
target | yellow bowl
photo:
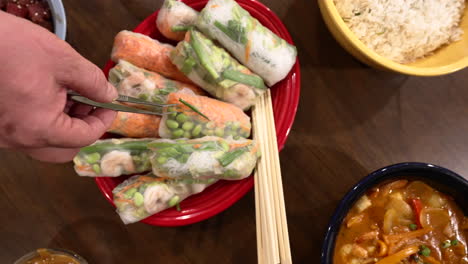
x: 445, y: 60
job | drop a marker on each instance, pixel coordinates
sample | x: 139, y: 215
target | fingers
x: 79, y: 110
x: 70, y: 132
x: 53, y: 155
x: 78, y: 74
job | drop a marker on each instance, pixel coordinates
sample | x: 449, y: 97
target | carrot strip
x: 247, y: 50
x: 399, y: 256
x: 407, y: 235
x: 431, y: 260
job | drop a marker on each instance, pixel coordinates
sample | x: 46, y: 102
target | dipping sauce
x: 403, y: 222
x: 44, y: 256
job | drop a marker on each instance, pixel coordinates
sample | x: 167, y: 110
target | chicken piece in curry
x: 403, y: 222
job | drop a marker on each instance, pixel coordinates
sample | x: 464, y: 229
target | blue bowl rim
x: 362, y: 186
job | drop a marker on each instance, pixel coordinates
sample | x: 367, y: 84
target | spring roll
x: 204, y: 158
x: 136, y: 82
x: 214, y: 70
x: 113, y: 158
x: 175, y: 18
x: 144, y: 195
x: 198, y: 116
x: 147, y: 53
x: 135, y: 125
x: 252, y: 44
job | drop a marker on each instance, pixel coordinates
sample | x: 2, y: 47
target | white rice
x: 403, y: 30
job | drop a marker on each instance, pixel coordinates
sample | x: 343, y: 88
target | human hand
x: 36, y: 70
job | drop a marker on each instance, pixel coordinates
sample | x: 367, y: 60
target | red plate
x: 223, y: 194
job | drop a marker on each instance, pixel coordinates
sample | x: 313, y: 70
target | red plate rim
x: 223, y: 194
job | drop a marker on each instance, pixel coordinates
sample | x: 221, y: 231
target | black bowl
x: 437, y: 177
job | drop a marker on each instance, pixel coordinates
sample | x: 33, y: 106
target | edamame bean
x: 225, y: 146
x: 187, y: 134
x: 236, y: 137
x: 162, y: 160
x: 219, y: 132
x: 129, y: 193
x: 96, y: 168
x: 156, y: 91
x: 138, y: 199
x: 172, y: 124
x: 209, y: 132
x: 174, y: 201
x: 235, y: 125
x: 197, y: 130
x: 181, y: 118
x: 178, y: 133
x: 187, y: 126
x: 143, y: 97
x: 93, y: 158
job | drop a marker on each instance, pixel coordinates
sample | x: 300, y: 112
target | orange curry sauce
x: 403, y: 222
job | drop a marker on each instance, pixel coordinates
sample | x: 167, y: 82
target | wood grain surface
x: 351, y: 121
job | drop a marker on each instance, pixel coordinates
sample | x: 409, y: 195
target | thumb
x: 85, y: 78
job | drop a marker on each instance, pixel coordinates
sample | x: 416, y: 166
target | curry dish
x: 403, y: 222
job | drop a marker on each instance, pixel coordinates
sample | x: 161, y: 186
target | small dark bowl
x: 437, y: 177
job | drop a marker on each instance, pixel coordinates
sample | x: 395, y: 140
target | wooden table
x: 351, y: 121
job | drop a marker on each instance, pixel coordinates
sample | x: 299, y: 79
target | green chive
x: 237, y: 76
x: 193, y: 108
x: 413, y: 227
x: 178, y: 207
x: 454, y: 242
x: 234, y: 31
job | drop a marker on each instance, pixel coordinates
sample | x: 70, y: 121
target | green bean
x: 187, y: 134
x: 96, y: 168
x: 178, y: 133
x: 93, y: 158
x: 169, y: 152
x: 219, y: 132
x: 187, y: 126
x: 156, y: 91
x: 174, y: 201
x: 103, y: 147
x: 196, y: 131
x: 172, y: 124
x: 181, y: 118
x: 138, y: 199
x: 129, y: 193
x: 229, y: 157
x: 162, y: 160
x: 184, y: 158
x: 202, y: 55
x: 247, y: 79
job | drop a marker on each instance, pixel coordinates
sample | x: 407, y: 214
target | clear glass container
x: 62, y: 252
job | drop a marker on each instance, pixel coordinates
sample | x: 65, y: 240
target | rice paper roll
x: 113, y: 158
x: 133, y: 81
x: 213, y: 69
x: 198, y: 116
x: 147, y: 53
x: 135, y: 125
x: 252, y: 44
x: 204, y: 158
x: 175, y: 18
x: 144, y: 195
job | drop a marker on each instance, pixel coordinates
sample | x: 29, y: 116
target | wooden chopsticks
x: 272, y: 228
